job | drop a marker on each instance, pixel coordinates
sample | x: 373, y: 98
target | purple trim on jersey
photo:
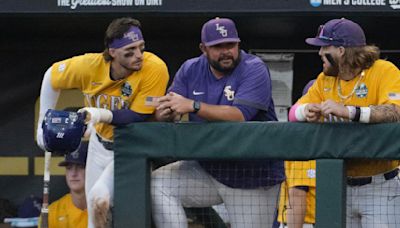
x: 134, y: 34
x: 127, y: 116
x: 308, y: 86
x: 248, y: 88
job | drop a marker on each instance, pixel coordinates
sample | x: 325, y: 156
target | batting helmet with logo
x: 63, y: 131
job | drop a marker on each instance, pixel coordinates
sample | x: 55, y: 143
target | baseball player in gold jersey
x: 70, y: 210
x: 297, y: 195
x: 357, y: 86
x: 115, y: 84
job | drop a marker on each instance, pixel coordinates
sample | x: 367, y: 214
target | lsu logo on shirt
x: 229, y: 93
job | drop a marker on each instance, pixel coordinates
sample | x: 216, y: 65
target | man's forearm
x: 384, y: 113
x: 220, y: 113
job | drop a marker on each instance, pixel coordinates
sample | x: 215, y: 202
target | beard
x: 136, y: 66
x: 221, y: 68
x: 332, y: 71
x: 333, y: 68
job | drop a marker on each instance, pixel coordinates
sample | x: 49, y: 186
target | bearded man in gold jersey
x: 357, y: 86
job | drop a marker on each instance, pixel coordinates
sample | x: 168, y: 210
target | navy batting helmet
x: 63, y: 131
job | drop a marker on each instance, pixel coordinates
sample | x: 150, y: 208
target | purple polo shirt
x: 248, y: 88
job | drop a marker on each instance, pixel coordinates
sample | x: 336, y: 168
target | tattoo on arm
x: 384, y: 113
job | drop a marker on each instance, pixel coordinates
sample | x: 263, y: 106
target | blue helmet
x: 63, y: 131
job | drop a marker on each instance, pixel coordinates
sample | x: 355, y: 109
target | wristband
x: 365, y: 114
x: 357, y: 115
x: 97, y: 115
x: 299, y: 113
x: 352, y: 112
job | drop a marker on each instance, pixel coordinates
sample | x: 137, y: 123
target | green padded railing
x: 137, y: 144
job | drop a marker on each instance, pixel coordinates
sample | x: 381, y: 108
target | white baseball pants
x: 99, y: 183
x: 374, y: 205
x: 186, y: 184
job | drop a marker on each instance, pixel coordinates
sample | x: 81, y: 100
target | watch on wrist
x: 196, y: 106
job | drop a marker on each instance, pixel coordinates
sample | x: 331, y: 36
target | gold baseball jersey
x: 64, y: 214
x: 91, y: 74
x: 298, y: 173
x: 379, y: 85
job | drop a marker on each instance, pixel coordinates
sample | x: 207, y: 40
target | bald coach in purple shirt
x: 223, y: 84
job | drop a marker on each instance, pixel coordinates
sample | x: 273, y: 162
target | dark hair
x: 116, y: 30
x: 359, y: 57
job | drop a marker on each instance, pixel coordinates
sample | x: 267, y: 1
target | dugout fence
x: 137, y: 144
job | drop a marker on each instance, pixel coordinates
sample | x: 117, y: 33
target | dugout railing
x: 138, y: 144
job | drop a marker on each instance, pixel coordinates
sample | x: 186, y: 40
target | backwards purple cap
x: 219, y: 30
x: 131, y: 36
x: 339, y: 32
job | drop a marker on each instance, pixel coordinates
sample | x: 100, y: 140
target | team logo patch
x: 126, y: 89
x: 132, y: 36
x: 221, y: 30
x: 311, y: 173
x: 362, y: 90
x: 229, y: 93
x: 61, y: 67
x: 394, y: 96
x: 73, y: 116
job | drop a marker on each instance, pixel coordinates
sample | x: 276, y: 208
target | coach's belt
x: 359, y: 181
x: 107, y: 144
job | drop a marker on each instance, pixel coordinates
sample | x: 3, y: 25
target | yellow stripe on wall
x: 14, y: 166
x: 54, y: 168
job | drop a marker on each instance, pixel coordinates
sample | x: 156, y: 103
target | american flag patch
x: 152, y: 101
x: 394, y: 96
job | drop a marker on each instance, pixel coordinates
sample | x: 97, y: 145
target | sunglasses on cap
x: 320, y: 35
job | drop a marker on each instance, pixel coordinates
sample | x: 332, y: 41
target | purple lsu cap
x: 219, y: 30
x: 339, y: 32
x: 76, y: 157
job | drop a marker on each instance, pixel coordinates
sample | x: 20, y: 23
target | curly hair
x: 356, y: 58
x: 116, y: 30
